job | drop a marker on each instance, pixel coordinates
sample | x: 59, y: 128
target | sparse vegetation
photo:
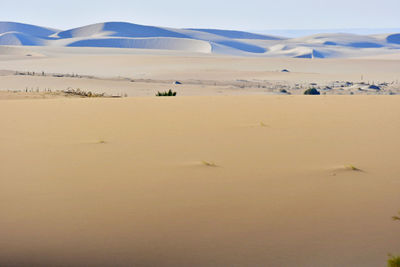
x: 79, y: 92
x: 167, y: 93
x: 352, y: 168
x: 209, y: 163
x: 69, y: 92
x: 312, y: 91
x: 56, y: 75
x: 393, y: 261
x: 396, y: 218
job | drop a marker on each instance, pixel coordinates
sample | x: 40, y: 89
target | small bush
x: 312, y: 91
x: 352, y: 168
x: 167, y: 93
x: 396, y: 218
x: 209, y: 163
x: 393, y: 261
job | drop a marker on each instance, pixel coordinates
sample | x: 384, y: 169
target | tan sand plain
x: 113, y: 70
x: 200, y: 181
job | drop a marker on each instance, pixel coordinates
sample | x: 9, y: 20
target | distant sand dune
x: 227, y: 42
x: 26, y: 29
x: 17, y: 38
x: 394, y: 38
x: 147, y: 43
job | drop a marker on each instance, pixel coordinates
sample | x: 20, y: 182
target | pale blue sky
x: 241, y: 15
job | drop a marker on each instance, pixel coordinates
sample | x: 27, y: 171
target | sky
x: 251, y: 15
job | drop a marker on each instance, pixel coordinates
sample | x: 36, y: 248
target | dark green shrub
x: 167, y: 93
x: 396, y: 218
x: 312, y: 91
x: 393, y: 261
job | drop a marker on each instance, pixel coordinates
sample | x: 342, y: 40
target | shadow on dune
x: 365, y: 45
x: 238, y: 34
x: 17, y: 38
x: 394, y: 38
x: 146, y: 43
x: 242, y: 46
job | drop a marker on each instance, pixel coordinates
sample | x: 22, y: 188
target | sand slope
x: 122, y: 182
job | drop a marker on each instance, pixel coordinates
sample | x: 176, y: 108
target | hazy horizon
x: 291, y: 33
x: 307, y: 32
x: 253, y: 14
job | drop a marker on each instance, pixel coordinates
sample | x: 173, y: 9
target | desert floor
x: 200, y: 181
x: 136, y: 72
x: 229, y: 173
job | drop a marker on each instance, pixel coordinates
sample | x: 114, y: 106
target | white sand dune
x: 146, y: 43
x: 17, y: 38
x: 119, y: 29
x: 228, y: 42
x: 124, y: 35
x: 343, y: 39
x: 26, y: 28
x: 239, y: 34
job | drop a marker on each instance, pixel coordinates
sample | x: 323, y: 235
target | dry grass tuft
x: 80, y: 93
x: 352, y: 168
x: 209, y: 163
